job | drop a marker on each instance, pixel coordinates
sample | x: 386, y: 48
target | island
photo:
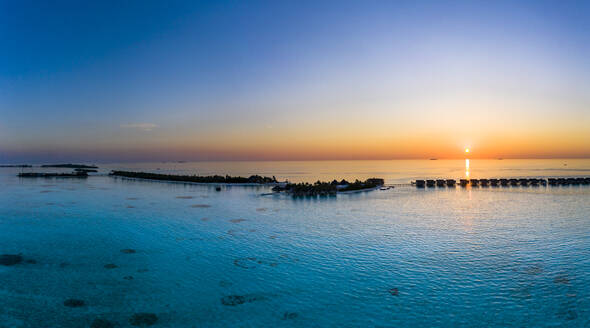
x: 86, y: 170
x: 321, y: 188
x: 70, y: 166
x: 253, y: 179
x: 16, y: 165
x: 53, y: 175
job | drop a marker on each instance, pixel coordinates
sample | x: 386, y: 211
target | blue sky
x: 142, y: 80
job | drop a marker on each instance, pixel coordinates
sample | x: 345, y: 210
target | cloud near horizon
x: 139, y: 126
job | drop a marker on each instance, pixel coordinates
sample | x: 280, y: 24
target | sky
x: 293, y: 80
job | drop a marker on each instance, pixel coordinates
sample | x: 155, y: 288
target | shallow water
x: 494, y: 257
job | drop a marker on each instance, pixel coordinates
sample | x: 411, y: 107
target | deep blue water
x: 481, y: 257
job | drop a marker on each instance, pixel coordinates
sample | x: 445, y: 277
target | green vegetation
x: 360, y: 185
x: 195, y: 178
x: 306, y: 189
x: 320, y: 188
x: 70, y: 166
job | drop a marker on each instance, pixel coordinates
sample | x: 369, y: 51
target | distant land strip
x: 195, y: 178
x: 70, y: 166
x: 53, y: 175
x: 16, y: 165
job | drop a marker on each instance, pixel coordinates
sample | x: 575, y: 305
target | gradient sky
x: 141, y: 80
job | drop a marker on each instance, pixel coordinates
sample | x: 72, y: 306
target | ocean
x: 132, y: 252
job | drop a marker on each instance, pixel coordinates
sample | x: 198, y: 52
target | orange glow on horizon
x: 305, y: 142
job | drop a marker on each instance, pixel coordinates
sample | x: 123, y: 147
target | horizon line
x: 289, y: 160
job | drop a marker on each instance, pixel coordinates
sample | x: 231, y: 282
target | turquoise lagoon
x: 442, y: 257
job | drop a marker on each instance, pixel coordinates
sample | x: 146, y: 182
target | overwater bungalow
x: 523, y: 182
